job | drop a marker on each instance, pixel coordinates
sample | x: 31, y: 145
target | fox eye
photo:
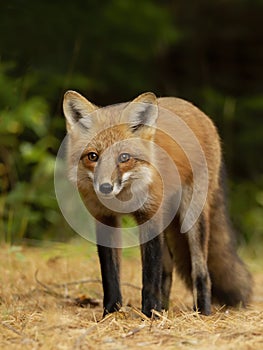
x: 92, y: 156
x: 124, y: 157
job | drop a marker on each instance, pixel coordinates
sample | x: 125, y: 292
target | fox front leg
x: 151, y: 252
x: 108, y: 241
x: 167, y: 274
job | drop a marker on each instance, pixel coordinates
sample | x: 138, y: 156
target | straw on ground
x: 50, y: 298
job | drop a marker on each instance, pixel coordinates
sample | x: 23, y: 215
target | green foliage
x: 247, y: 209
x: 28, y: 206
x: 112, y: 50
x: 240, y: 124
x: 114, y: 44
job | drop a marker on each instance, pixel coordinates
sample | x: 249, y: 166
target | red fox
x: 159, y: 160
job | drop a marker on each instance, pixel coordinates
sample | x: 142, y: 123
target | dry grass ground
x: 45, y: 316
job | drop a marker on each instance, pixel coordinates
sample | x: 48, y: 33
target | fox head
x: 111, y: 148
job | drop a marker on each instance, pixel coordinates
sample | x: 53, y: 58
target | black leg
x: 151, y: 271
x: 109, y: 255
x: 167, y: 275
x: 202, y: 285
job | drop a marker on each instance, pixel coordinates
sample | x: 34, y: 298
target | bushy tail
x: 231, y: 281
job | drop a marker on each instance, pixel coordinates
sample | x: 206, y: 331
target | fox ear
x: 76, y: 107
x: 142, y: 111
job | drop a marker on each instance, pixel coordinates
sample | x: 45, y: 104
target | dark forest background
x: 208, y: 52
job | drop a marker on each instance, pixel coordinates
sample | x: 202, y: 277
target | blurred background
x: 208, y: 52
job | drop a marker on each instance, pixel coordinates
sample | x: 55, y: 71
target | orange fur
x: 191, y: 144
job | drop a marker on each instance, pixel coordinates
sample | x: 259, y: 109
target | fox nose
x: 106, y: 188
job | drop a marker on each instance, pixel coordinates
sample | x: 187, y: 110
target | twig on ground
x: 62, y: 285
x: 25, y: 338
x: 12, y: 329
x: 79, y: 301
x: 48, y: 289
x: 127, y: 284
x: 79, y: 341
x: 134, y: 331
x: 139, y: 313
x: 161, y: 316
